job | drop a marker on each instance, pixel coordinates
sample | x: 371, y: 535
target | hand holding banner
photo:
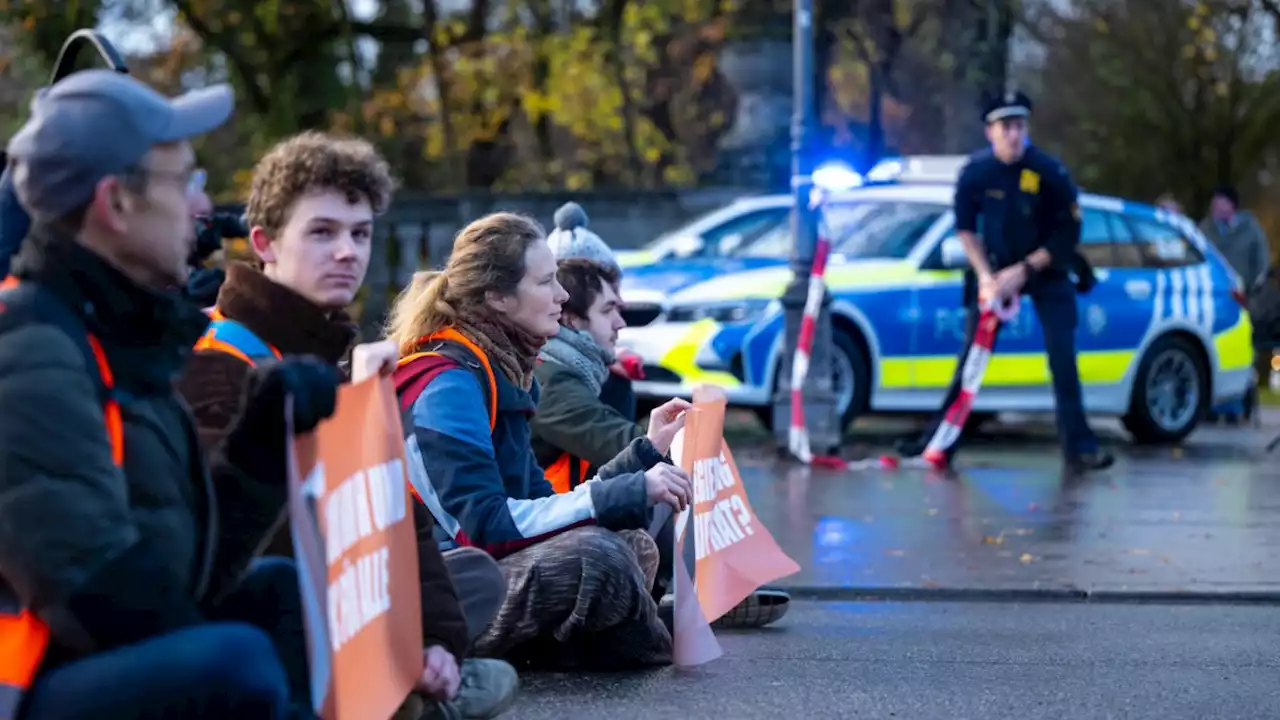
x: 357, y: 555
x: 734, y: 552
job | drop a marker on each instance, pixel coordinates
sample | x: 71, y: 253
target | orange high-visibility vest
x: 567, y: 473
x: 24, y: 637
x: 451, y: 335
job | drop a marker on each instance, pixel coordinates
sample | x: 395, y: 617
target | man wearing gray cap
x: 121, y: 593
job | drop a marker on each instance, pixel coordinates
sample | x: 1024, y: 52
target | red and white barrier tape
x: 955, y: 416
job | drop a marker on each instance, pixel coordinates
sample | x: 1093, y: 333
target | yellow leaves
x: 703, y: 68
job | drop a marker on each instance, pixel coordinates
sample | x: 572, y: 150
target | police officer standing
x: 1017, y: 216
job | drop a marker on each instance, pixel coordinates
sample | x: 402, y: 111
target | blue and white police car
x: 1163, y: 336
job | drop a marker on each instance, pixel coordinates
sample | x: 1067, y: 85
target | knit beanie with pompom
x: 572, y: 240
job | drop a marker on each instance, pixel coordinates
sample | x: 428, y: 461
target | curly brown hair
x: 312, y: 161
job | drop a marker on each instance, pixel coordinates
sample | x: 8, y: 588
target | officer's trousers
x: 1055, y: 305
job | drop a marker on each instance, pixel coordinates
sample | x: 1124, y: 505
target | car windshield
x: 869, y: 229
x: 886, y: 229
x: 748, y: 224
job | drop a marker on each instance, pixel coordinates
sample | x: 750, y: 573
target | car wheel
x: 1170, y: 392
x: 850, y: 377
x: 850, y: 382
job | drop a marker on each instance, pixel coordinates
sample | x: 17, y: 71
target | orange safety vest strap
x: 451, y: 335
x: 561, y: 474
x: 233, y: 338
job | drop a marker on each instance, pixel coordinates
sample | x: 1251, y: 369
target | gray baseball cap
x: 96, y: 123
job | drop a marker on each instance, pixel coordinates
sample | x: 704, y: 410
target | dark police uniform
x: 1017, y: 209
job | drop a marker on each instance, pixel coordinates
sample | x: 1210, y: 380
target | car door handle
x: 1138, y: 289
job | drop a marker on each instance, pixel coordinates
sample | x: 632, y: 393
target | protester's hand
x: 375, y: 358
x: 312, y: 382
x: 665, y: 421
x: 668, y: 484
x: 440, y: 675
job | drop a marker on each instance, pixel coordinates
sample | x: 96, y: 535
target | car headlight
x: 729, y: 312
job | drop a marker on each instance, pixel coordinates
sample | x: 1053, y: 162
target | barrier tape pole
x: 798, y: 436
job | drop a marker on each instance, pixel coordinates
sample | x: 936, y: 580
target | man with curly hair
x: 311, y: 211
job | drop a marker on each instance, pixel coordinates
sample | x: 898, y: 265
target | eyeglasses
x: 194, y: 179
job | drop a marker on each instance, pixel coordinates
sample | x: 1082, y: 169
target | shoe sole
x: 761, y: 608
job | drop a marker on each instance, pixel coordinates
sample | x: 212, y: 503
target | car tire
x: 1183, y: 360
x: 861, y: 367
x: 857, y: 360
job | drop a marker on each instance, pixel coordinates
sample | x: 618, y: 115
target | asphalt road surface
x: 954, y: 661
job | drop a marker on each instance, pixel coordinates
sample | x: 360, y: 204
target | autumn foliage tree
x: 1143, y: 98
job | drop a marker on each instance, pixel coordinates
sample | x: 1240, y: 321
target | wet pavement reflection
x: 1202, y: 518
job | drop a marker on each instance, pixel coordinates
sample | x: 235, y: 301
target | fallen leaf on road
x: 1177, y: 452
x: 895, y: 553
x: 993, y: 540
x: 1137, y: 551
x: 1027, y: 558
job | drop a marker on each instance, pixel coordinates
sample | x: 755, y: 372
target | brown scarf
x: 510, y: 348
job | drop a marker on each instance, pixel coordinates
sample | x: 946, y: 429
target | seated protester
x: 571, y: 239
x: 311, y: 209
x: 576, y: 429
x: 578, y: 568
x: 124, y: 592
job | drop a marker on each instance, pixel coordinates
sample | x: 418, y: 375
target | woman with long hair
x: 579, y: 566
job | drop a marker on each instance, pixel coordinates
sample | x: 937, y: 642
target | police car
x: 1162, y: 337
x: 740, y: 236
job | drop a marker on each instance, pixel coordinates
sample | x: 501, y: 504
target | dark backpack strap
x: 29, y: 302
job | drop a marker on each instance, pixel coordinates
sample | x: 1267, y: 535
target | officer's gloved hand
x: 256, y: 444
x: 1083, y: 270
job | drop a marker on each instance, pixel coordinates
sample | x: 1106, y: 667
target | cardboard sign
x: 734, y: 552
x: 357, y: 554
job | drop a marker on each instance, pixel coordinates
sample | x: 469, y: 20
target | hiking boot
x: 667, y: 612
x: 488, y: 688
x: 1089, y: 462
x: 420, y: 707
x: 762, y: 607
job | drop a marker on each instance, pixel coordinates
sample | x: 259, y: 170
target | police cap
x: 1012, y: 104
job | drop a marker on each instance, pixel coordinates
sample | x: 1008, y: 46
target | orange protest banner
x: 357, y: 554
x: 735, y: 553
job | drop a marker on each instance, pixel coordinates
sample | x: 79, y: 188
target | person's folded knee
x: 241, y: 659
x: 606, y: 551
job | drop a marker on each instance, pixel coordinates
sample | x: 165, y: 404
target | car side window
x: 1096, y: 244
x: 1162, y: 245
x: 750, y: 226
x: 1127, y: 252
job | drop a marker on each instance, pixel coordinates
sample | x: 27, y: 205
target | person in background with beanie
x: 572, y: 239
x: 580, y: 423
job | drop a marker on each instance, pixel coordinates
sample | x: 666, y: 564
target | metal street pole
x: 819, y: 400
